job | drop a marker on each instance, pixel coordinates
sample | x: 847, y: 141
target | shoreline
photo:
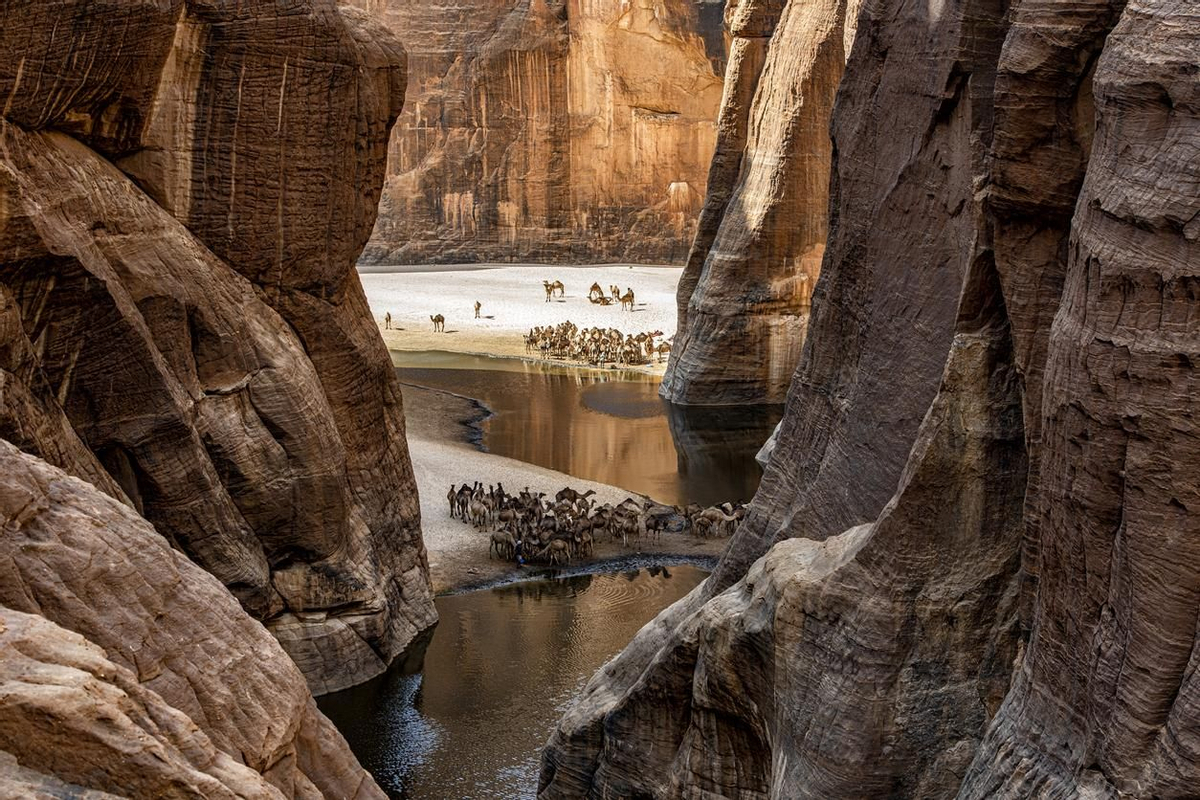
x: 441, y: 425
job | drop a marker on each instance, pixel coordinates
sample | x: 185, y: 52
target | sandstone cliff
x: 746, y: 291
x: 563, y: 131
x: 125, y: 668
x: 971, y: 568
x: 184, y: 190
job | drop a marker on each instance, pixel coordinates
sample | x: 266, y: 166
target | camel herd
x: 596, y: 295
x: 597, y: 346
x: 531, y: 527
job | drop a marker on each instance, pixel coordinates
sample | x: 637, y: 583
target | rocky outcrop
x: 746, y: 291
x: 184, y: 190
x: 1015, y: 615
x: 550, y: 131
x: 125, y: 668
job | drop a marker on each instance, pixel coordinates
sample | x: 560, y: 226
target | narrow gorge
x: 275, y: 273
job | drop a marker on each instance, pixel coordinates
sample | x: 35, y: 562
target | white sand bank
x: 458, y: 554
x: 513, y: 302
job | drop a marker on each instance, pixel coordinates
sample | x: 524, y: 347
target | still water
x: 467, y: 717
x: 608, y: 426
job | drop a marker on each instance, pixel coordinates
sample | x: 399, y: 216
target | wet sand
x: 439, y: 430
x: 513, y: 302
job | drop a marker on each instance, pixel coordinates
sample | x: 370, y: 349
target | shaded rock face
x: 746, y: 291
x: 971, y: 568
x: 127, y: 669
x: 561, y: 131
x: 183, y: 194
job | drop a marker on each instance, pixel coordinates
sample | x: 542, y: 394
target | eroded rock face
x: 745, y: 294
x: 125, y: 668
x: 182, y: 322
x: 1019, y: 617
x: 560, y: 131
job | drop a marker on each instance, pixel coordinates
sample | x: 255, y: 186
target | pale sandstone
x: 140, y: 674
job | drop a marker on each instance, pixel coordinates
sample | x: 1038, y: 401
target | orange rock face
x: 550, y: 131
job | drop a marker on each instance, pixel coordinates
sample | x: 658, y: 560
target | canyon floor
x: 513, y: 302
x: 441, y: 455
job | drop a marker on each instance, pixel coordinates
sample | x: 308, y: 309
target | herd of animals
x: 530, y: 527
x: 596, y: 346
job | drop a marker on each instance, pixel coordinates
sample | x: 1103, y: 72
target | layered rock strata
x: 562, y: 131
x: 184, y: 190
x: 1001, y: 600
x: 127, y: 670
x: 746, y: 291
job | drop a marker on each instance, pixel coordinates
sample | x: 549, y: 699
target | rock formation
x: 746, y: 290
x: 126, y: 669
x: 184, y: 190
x: 972, y: 566
x: 560, y: 131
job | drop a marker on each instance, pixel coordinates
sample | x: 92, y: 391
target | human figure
x: 478, y: 305
x: 387, y: 321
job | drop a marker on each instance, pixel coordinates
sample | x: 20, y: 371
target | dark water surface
x: 608, y: 426
x: 467, y: 718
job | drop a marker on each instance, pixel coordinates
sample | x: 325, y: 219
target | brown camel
x: 387, y: 321
x: 549, y: 287
x: 558, y: 287
x: 627, y: 300
x: 478, y: 305
x: 439, y: 323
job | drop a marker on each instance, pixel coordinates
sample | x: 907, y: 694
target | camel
x: 595, y: 292
x: 478, y: 305
x: 479, y: 514
x: 549, y: 287
x: 627, y: 300
x: 387, y: 321
x: 570, y: 495
x: 452, y: 496
x: 504, y: 545
x: 439, y: 323
x: 558, y: 286
x: 664, y: 350
x: 713, y: 518
x: 558, y: 550
x: 615, y: 291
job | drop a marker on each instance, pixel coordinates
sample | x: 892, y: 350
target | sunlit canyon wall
x: 576, y: 131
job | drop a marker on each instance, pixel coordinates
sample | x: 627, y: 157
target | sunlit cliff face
x: 543, y: 131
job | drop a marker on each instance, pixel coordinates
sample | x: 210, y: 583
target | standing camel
x: 478, y: 305
x: 627, y: 299
x: 387, y: 321
x: 439, y: 323
x: 558, y: 286
x: 549, y: 290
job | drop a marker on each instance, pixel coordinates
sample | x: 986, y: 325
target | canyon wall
x: 185, y: 188
x: 746, y: 290
x: 971, y: 568
x: 560, y: 131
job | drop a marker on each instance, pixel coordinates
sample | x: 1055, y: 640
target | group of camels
x: 597, y: 346
x: 530, y: 527
x: 597, y: 296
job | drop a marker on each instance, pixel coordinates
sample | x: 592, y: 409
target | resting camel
x: 627, y: 299
x: 439, y: 323
x: 595, y: 292
x: 478, y: 305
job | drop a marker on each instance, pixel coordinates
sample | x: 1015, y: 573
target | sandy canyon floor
x: 438, y: 434
x: 514, y: 301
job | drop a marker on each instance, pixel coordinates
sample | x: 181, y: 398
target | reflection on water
x: 605, y: 425
x: 500, y: 669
